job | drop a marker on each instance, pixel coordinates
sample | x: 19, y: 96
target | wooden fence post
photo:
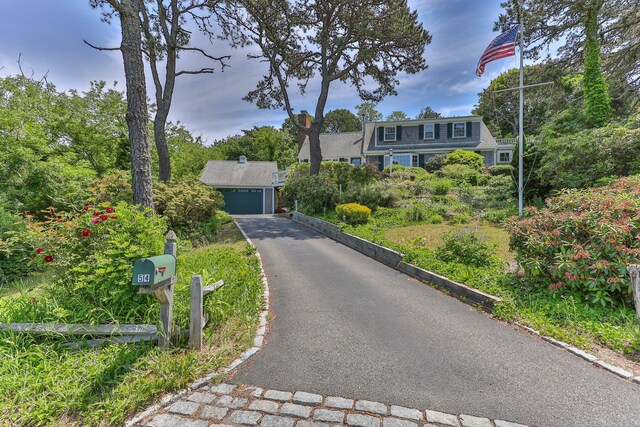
x: 196, y: 313
x: 634, y: 273
x: 165, y: 296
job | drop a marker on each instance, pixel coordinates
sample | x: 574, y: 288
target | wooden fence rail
x: 197, y: 319
x: 79, y: 329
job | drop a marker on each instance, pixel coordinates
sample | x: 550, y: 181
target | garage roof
x: 231, y: 173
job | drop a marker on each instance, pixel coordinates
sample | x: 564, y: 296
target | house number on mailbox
x: 142, y: 278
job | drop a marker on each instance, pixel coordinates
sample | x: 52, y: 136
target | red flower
x: 104, y: 217
x: 33, y: 300
x: 85, y: 208
x: 96, y: 213
x: 86, y: 233
x: 110, y: 210
x: 95, y: 220
x: 114, y: 217
x: 39, y: 250
x: 48, y: 258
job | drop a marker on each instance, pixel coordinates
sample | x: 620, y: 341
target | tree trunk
x: 164, y: 162
x: 163, y: 99
x: 137, y: 112
x: 315, y: 153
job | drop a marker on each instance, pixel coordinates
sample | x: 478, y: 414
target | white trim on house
x: 433, y: 132
x: 384, y: 134
x: 403, y: 155
x: 499, y: 160
x: 453, y: 130
x: 416, y: 122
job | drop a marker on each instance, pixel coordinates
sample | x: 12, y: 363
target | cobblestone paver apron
x: 232, y: 405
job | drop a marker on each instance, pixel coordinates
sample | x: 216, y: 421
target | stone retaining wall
x: 458, y: 290
x: 394, y: 260
x: 379, y: 253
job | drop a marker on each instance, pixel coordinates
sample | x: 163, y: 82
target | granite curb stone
x: 369, y: 406
x: 402, y: 412
x: 241, y: 407
x: 471, y: 421
x: 338, y: 402
x: 293, y: 409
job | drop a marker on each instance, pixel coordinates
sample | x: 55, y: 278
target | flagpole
x: 521, y: 125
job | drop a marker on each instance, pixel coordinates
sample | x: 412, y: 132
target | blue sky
x: 49, y: 34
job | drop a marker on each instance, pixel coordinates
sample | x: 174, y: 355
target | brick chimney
x: 305, y: 121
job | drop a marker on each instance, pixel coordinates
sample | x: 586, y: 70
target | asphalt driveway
x: 346, y: 325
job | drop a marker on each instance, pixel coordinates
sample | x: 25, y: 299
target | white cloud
x: 456, y: 110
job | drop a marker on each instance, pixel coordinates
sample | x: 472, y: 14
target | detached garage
x: 247, y: 187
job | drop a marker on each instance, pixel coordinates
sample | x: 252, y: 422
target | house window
x: 389, y: 133
x: 504, y: 157
x: 400, y: 159
x: 429, y: 132
x: 356, y: 161
x: 459, y: 130
x: 343, y: 159
x: 414, y: 160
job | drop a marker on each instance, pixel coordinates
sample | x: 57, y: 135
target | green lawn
x: 432, y: 235
x: 43, y: 383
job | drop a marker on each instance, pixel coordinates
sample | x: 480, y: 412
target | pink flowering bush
x: 583, y: 241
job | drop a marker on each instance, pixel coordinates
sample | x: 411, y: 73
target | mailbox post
x: 157, y: 275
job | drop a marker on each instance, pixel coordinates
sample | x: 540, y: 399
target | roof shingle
x: 231, y: 173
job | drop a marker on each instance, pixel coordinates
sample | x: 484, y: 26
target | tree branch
x: 100, y: 48
x: 201, y: 71
x: 219, y: 59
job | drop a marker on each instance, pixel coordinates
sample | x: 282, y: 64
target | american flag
x: 502, y: 46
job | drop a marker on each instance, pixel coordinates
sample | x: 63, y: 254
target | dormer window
x: 389, y: 133
x: 459, y: 130
x: 429, y: 131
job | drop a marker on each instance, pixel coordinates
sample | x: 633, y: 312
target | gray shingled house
x: 410, y: 142
x: 247, y: 187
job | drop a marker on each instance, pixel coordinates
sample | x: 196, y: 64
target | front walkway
x: 227, y: 404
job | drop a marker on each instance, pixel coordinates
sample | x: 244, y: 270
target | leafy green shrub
x: 582, y: 241
x: 467, y: 158
x: 314, y: 193
x: 364, y: 174
x: 189, y: 207
x: 15, y: 250
x: 402, y: 173
x: 460, y: 218
x: 462, y: 174
x: 581, y: 159
x: 374, y: 195
x: 92, y: 254
x: 465, y: 247
x: 441, y: 187
x: 340, y: 173
x: 353, y: 213
x: 498, y: 216
x: 435, y: 163
x: 113, y: 188
x: 415, y: 213
x: 502, y: 170
x: 435, y: 219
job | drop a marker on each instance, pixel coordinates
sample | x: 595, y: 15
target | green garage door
x: 242, y: 200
